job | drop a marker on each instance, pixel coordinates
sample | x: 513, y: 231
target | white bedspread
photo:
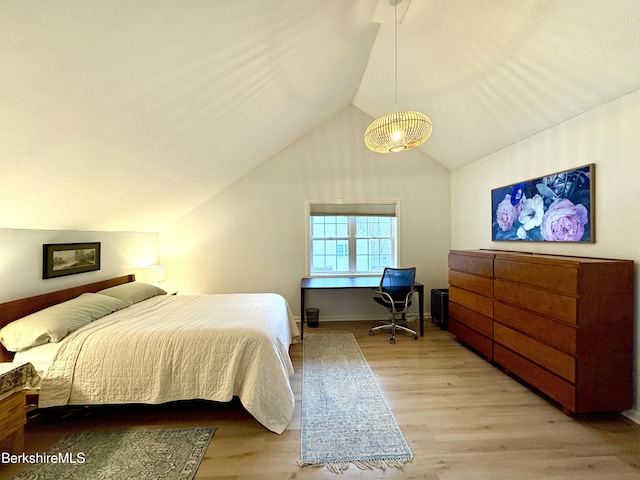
x: 171, y: 347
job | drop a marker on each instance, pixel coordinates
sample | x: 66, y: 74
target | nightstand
x: 14, y: 380
x: 13, y: 417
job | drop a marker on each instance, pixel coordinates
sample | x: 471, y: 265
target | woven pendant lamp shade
x: 397, y: 131
x: 401, y: 130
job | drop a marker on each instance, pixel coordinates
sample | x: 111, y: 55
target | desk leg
x: 302, y: 295
x: 421, y: 308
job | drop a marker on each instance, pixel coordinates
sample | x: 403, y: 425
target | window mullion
x: 352, y: 244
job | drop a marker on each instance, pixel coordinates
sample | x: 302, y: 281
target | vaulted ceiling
x: 121, y: 115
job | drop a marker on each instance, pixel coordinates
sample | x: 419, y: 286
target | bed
x: 145, y: 346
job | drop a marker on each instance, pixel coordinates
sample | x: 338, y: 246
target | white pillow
x: 54, y: 323
x: 133, y: 292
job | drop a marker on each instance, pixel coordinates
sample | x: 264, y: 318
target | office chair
x: 396, y: 289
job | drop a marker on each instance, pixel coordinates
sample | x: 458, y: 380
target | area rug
x: 345, y: 418
x: 168, y: 454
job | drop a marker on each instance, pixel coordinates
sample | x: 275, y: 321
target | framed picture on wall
x: 60, y: 259
x: 554, y: 208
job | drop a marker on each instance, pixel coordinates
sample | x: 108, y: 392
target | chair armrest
x: 406, y: 300
x: 386, y: 296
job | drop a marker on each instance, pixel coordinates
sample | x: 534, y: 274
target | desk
x: 336, y: 283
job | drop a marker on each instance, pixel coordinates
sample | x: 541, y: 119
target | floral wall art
x: 554, y: 208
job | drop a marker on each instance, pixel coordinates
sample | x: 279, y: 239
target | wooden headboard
x: 16, y: 309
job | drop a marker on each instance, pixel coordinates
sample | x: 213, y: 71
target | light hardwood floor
x: 462, y: 417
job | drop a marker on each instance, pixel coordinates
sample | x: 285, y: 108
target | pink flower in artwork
x: 564, y: 221
x: 506, y: 213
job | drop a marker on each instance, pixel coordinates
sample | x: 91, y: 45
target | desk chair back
x: 397, y: 283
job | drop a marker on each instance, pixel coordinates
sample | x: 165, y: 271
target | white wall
x: 607, y: 136
x: 252, y: 236
x: 21, y: 258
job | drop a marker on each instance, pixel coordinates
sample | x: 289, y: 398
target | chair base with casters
x: 396, y: 289
x: 393, y: 326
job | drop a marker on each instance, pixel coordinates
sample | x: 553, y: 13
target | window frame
x: 352, y: 209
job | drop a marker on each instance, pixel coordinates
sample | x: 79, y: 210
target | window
x: 349, y: 244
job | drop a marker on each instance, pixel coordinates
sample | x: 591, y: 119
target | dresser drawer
x: 477, y: 263
x: 472, y: 319
x: 548, y: 304
x: 471, y: 337
x: 543, y: 355
x: 474, y: 301
x: 553, y: 386
x: 561, y: 278
x: 473, y: 283
x: 556, y: 334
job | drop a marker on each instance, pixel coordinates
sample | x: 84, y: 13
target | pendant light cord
x: 395, y: 43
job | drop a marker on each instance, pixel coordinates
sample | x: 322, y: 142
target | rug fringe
x: 379, y: 463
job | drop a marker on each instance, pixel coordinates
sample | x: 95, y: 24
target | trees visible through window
x: 352, y: 244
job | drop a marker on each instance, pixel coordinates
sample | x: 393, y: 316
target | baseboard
x: 633, y: 415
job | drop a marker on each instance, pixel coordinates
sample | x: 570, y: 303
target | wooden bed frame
x: 16, y: 309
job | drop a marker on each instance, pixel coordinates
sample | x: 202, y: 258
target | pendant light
x: 400, y: 130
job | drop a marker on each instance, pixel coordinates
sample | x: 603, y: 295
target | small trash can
x: 312, y: 317
x: 440, y: 307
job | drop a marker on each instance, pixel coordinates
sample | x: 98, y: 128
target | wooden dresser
x: 471, y: 299
x: 562, y: 324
